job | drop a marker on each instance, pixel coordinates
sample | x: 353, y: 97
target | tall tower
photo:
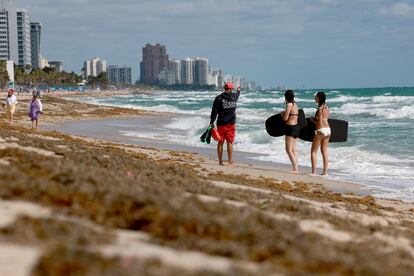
x: 8, y: 31
x: 154, y: 60
x: 187, y: 71
x: 23, y: 38
x: 35, y: 38
x: 201, y: 71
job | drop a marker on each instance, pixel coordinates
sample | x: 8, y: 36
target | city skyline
x: 325, y: 43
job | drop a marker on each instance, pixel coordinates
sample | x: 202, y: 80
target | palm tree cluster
x: 4, y: 75
x: 99, y: 81
x: 46, y: 76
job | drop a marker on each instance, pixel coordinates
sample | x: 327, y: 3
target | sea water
x: 379, y: 152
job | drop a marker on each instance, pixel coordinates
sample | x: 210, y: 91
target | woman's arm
x: 286, y: 113
x: 320, y: 115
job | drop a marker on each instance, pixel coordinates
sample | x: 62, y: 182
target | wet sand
x: 111, y: 130
x: 98, y: 207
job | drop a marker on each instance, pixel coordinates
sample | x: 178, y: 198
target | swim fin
x: 203, y: 137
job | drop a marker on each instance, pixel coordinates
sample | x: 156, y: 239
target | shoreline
x: 106, y: 130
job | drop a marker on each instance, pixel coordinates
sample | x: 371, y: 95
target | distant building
x: 154, y: 60
x: 56, y: 65
x: 200, y: 71
x: 119, y: 75
x: 35, y: 38
x: 15, y: 35
x: 220, y: 82
x: 167, y: 77
x: 44, y: 63
x: 23, y: 35
x: 187, y: 71
x: 174, y: 66
x: 10, y: 70
x: 94, y: 67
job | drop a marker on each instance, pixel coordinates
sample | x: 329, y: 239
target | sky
x: 291, y: 43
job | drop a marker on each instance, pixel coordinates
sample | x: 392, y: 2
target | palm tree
x: 4, y: 75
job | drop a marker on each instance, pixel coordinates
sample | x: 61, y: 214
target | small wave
x: 393, y: 99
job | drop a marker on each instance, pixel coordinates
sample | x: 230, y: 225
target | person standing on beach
x: 290, y: 116
x: 10, y: 105
x: 224, y: 108
x: 35, y: 109
x: 322, y: 133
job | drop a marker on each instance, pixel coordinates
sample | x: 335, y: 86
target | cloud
x: 400, y: 9
x: 295, y: 40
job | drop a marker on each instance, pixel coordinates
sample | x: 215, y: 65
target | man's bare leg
x: 230, y: 153
x: 220, y: 152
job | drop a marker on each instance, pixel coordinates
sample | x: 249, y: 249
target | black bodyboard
x: 276, y: 127
x: 339, y: 130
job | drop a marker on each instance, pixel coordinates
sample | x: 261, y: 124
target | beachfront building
x: 44, y: 63
x: 10, y: 70
x: 154, y: 60
x: 94, y: 67
x: 23, y: 35
x: 174, y: 66
x: 120, y: 75
x: 201, y: 70
x: 56, y: 65
x: 167, y: 77
x: 35, y: 36
x: 187, y: 71
x: 220, y: 81
x: 15, y: 41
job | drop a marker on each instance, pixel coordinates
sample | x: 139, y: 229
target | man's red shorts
x: 227, y: 133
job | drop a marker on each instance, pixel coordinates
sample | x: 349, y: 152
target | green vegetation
x: 4, y: 75
x: 101, y: 80
x: 46, y: 76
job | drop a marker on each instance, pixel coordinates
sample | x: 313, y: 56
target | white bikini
x: 325, y: 131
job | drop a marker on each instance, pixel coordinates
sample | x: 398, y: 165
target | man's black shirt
x: 225, y: 107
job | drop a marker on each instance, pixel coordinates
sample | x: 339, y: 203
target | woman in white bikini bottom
x: 326, y: 131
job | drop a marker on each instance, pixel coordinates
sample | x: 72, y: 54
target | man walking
x: 225, y: 108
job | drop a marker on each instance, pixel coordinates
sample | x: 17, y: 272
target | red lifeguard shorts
x: 227, y: 133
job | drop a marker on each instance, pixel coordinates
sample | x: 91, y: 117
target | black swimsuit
x: 292, y: 131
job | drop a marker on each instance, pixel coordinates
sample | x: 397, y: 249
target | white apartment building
x: 15, y: 35
x: 201, y: 70
x: 187, y: 71
x: 94, y: 67
x: 174, y: 66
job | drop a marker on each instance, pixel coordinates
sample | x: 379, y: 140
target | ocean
x: 379, y: 152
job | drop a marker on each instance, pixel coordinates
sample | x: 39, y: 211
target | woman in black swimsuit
x: 290, y: 116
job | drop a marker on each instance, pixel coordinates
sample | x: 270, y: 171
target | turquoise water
x: 379, y: 152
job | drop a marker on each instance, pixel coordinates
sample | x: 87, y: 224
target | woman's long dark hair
x: 290, y: 96
x: 321, y: 97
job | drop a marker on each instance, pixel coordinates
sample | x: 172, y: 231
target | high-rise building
x: 154, y: 60
x: 35, y: 38
x: 220, y: 82
x: 187, y: 71
x: 23, y: 38
x: 174, y: 66
x: 15, y: 35
x: 200, y: 71
x: 119, y: 75
x: 56, y: 65
x: 94, y: 67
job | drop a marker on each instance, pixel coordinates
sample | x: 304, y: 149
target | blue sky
x: 295, y: 43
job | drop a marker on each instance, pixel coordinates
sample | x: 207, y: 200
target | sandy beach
x: 75, y: 198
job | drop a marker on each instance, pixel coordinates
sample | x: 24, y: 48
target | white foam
x: 393, y: 99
